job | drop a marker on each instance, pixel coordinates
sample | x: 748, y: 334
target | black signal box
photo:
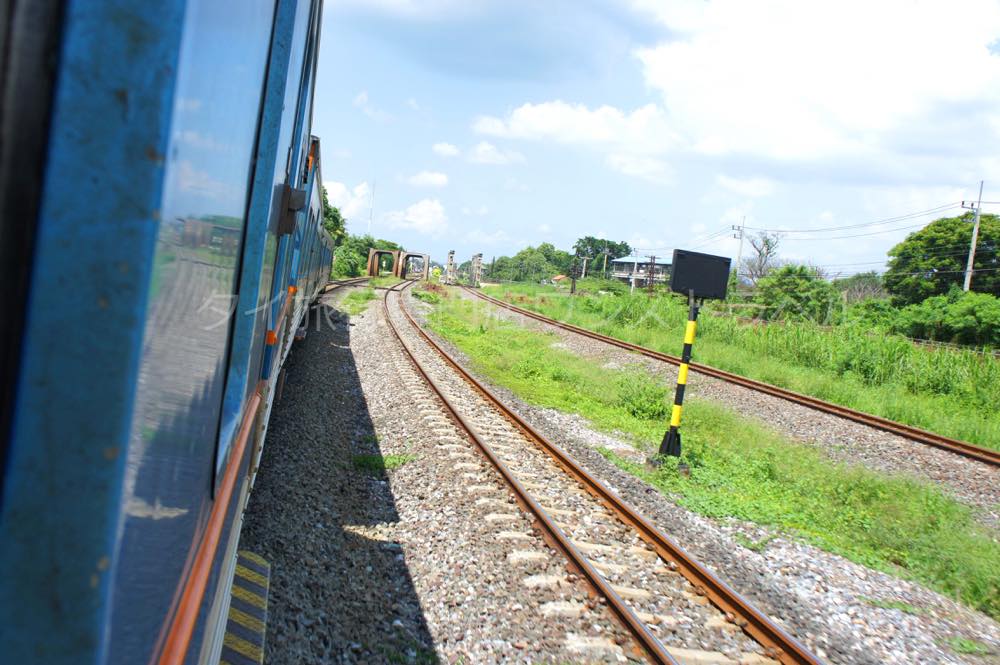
x: 705, y: 274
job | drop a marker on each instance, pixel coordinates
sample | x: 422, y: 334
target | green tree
x: 863, y: 286
x: 958, y: 317
x: 350, y: 259
x: 594, y: 249
x: 794, y: 292
x: 333, y: 221
x: 932, y: 260
x: 557, y: 258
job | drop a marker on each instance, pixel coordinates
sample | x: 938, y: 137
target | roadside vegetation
x: 430, y: 292
x: 356, y: 301
x: 384, y: 282
x: 948, y: 391
x: 740, y: 468
x: 379, y: 465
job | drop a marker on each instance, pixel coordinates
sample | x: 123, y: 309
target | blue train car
x: 161, y: 242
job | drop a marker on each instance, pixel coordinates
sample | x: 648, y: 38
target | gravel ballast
x: 683, y: 621
x: 430, y: 560
x: 837, y: 608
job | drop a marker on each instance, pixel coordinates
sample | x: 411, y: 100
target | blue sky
x: 488, y: 126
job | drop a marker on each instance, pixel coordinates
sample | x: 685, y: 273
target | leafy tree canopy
x: 350, y: 259
x: 932, y: 260
x: 862, y: 286
x: 796, y: 293
x: 592, y: 247
x: 958, y: 317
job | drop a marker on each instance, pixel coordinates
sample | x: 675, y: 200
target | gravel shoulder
x: 973, y: 483
x: 413, y: 563
x: 831, y: 604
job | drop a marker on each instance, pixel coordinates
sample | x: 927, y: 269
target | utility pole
x: 975, y: 237
x: 739, y: 234
x: 584, y: 275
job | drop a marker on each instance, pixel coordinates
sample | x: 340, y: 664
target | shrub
x: 427, y: 296
x: 641, y: 397
x: 960, y: 318
x: 797, y: 293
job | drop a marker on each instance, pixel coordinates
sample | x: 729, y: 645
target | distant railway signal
x: 700, y: 277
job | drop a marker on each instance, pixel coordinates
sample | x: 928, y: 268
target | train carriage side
x: 162, y: 232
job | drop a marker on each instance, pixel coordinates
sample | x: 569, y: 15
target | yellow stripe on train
x: 251, y: 576
x: 248, y: 596
x: 244, y: 648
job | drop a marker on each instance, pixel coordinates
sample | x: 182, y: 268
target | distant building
x: 635, y: 270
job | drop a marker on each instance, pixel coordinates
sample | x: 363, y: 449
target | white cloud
x: 428, y: 179
x: 544, y: 228
x: 515, y: 185
x: 481, y: 211
x: 753, y: 187
x: 787, y: 79
x: 643, y: 130
x: 352, y: 201
x: 362, y: 102
x: 632, y: 141
x: 412, y: 103
x: 480, y: 237
x: 445, y: 149
x: 421, y: 10
x: 487, y: 153
x: 641, y: 166
x: 426, y: 216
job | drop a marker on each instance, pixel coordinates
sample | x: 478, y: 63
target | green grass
x: 356, y: 302
x: 426, y: 296
x: 895, y: 605
x: 741, y: 469
x: 953, y: 393
x: 378, y: 465
x: 753, y: 545
x: 968, y: 647
x: 384, y: 282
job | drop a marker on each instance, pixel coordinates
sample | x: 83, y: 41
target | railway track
x: 957, y: 446
x: 337, y: 283
x: 671, y: 605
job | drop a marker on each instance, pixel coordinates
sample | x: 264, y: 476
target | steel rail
x: 334, y: 284
x: 774, y: 639
x: 957, y: 446
x: 553, y: 534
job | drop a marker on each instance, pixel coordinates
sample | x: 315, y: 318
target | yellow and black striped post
x: 671, y: 444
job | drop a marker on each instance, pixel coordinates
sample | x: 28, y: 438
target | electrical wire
x: 887, y: 220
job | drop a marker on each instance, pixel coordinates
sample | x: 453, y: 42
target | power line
x: 862, y: 235
x: 931, y: 271
x: 887, y: 220
x: 932, y: 255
